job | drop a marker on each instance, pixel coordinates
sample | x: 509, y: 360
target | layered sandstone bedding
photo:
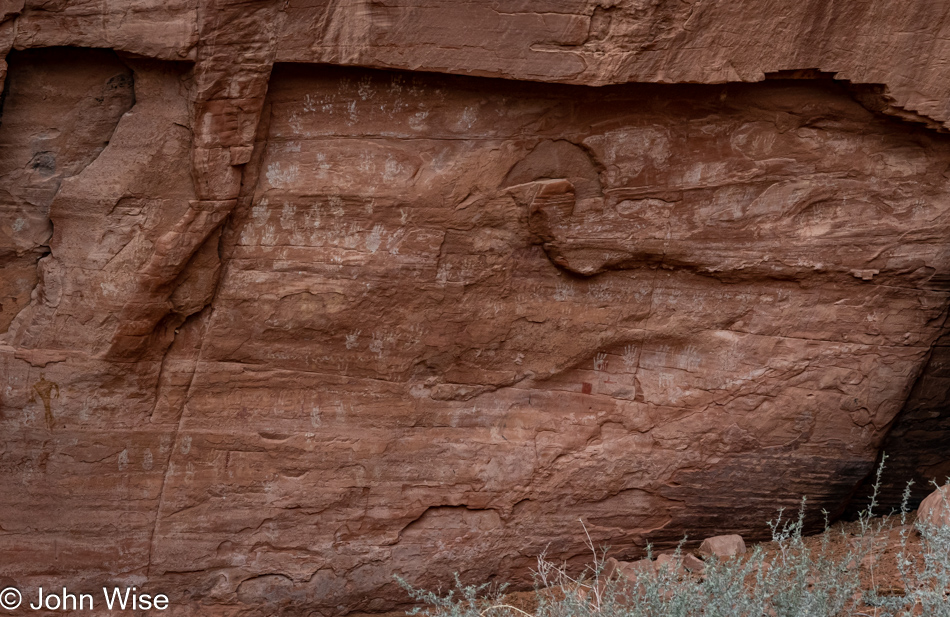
x: 274, y: 331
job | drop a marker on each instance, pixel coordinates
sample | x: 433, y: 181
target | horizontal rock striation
x: 275, y: 327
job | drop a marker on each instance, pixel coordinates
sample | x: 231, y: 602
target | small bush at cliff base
x: 793, y: 578
x: 924, y: 574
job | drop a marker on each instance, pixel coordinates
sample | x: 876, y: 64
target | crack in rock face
x: 446, y: 317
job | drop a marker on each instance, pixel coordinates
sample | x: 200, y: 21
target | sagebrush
x: 792, y: 581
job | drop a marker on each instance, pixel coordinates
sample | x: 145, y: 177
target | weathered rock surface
x: 272, y: 333
x: 917, y: 444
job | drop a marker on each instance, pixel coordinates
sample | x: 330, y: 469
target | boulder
x: 935, y: 509
x: 628, y: 570
x: 694, y: 564
x: 722, y: 547
x: 669, y: 561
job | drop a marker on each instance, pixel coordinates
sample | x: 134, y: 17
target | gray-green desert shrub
x: 793, y: 580
x: 925, y: 574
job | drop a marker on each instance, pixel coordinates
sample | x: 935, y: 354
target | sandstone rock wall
x: 275, y: 332
x: 916, y: 445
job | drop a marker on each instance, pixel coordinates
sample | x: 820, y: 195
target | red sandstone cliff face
x: 274, y: 333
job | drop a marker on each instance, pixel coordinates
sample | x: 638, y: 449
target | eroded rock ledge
x: 274, y: 332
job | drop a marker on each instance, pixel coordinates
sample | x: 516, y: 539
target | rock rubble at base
x: 722, y: 547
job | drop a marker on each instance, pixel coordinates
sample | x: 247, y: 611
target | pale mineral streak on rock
x: 275, y: 332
